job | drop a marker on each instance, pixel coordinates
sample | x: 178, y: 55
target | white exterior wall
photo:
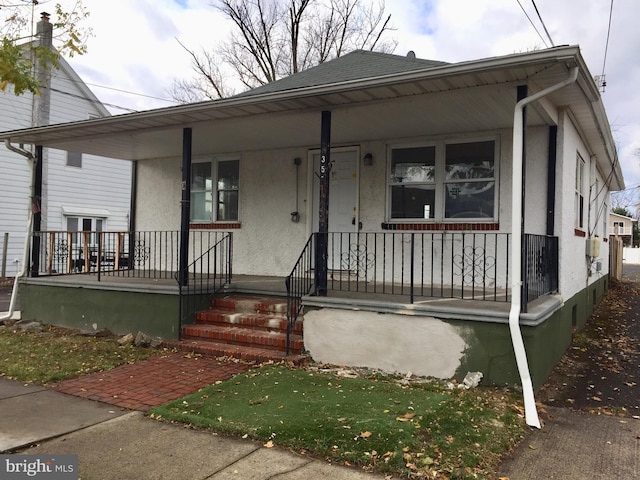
x: 99, y: 185
x: 536, y: 180
x: 268, y: 242
x: 575, y: 271
x: 15, y: 178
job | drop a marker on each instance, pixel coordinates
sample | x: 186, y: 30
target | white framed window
x: 219, y: 204
x: 579, y: 189
x: 85, y: 224
x: 444, y: 181
x: 74, y: 159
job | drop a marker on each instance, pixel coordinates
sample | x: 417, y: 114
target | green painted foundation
x: 91, y: 309
x: 490, y: 350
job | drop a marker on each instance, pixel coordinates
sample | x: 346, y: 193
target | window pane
x: 412, y: 201
x: 413, y: 165
x: 470, y: 160
x: 228, y: 175
x: 201, y: 192
x: 74, y: 159
x: 470, y: 200
x: 201, y: 203
x: 228, y: 205
x: 201, y: 176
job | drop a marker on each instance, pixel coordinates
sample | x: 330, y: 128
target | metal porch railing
x: 146, y: 254
x: 422, y: 264
x: 207, y: 274
x: 540, y: 258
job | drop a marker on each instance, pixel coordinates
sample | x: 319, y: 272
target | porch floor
x: 474, y: 309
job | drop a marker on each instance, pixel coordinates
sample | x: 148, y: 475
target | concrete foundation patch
x: 424, y: 346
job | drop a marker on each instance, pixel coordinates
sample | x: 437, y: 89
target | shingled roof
x: 356, y: 65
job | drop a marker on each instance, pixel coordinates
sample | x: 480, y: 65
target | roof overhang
x: 432, y: 101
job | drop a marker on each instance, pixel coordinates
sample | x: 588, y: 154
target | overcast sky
x: 135, y: 49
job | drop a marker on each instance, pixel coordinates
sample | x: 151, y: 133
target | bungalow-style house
x: 621, y: 226
x: 80, y: 191
x: 423, y: 216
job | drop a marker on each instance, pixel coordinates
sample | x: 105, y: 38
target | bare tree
x: 276, y: 38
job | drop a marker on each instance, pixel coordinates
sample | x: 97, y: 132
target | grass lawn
x: 379, y: 423
x: 56, y: 354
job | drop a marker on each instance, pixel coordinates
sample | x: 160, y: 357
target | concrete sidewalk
x: 577, y: 446
x: 112, y: 443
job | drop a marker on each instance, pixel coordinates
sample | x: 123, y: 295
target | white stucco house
x: 80, y: 191
x: 406, y: 201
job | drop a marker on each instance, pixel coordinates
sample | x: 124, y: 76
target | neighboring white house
x: 417, y: 161
x: 622, y: 226
x: 80, y: 191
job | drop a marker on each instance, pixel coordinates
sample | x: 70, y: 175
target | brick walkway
x: 152, y: 382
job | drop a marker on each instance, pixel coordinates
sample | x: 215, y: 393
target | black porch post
x: 522, y: 93
x: 36, y: 209
x: 185, y: 211
x: 323, y: 214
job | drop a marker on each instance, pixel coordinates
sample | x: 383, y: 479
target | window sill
x: 492, y: 226
x: 215, y: 226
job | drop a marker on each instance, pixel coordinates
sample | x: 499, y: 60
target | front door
x: 343, y: 201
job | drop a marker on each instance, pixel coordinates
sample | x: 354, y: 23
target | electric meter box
x: 593, y: 247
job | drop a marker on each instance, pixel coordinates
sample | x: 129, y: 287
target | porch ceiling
x: 425, y: 102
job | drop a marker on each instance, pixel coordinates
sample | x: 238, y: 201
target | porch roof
x: 414, y: 97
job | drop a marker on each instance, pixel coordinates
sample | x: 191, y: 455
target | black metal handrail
x: 300, y: 282
x: 540, y: 272
x: 207, y: 274
x: 142, y: 254
x: 465, y: 265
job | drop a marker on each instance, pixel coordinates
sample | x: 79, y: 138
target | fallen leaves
x: 406, y: 417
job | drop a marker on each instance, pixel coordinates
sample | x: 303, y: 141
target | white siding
x: 101, y: 184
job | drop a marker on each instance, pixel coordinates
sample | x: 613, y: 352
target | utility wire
x: 606, y: 47
x: 542, y: 22
x: 532, y: 24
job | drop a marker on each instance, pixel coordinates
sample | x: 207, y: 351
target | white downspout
x: 531, y: 413
x: 25, y: 255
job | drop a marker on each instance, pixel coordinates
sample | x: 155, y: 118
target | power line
x: 602, y: 81
x: 542, y: 22
x: 532, y: 24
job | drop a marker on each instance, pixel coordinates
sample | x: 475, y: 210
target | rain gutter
x: 531, y: 413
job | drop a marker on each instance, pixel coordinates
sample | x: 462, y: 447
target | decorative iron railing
x: 540, y: 267
x: 149, y: 254
x: 207, y: 274
x: 465, y: 265
x: 421, y: 264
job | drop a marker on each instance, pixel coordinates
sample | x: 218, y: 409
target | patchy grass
x: 56, y: 354
x: 378, y: 423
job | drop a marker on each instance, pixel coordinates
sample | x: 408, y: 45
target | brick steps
x: 244, y: 327
x: 269, y: 340
x: 255, y: 321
